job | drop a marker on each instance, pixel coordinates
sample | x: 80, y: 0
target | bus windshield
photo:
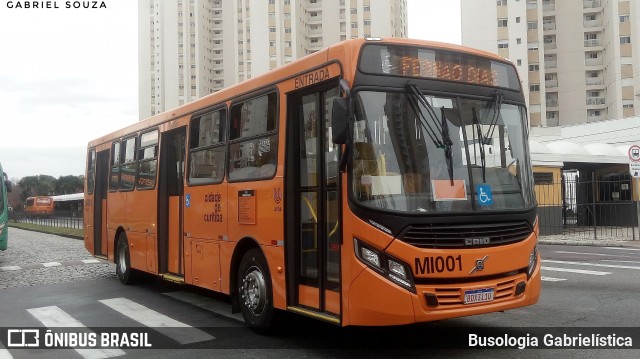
x: 415, y: 153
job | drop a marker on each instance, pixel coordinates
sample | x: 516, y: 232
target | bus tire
x: 255, y: 294
x: 123, y: 261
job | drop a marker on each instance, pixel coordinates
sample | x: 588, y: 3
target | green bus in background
x: 5, y: 186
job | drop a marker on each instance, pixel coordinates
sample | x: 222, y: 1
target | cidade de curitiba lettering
x: 56, y: 5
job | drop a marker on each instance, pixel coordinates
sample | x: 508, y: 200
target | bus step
x: 172, y: 278
x: 317, y: 315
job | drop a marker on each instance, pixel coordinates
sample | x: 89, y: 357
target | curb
x: 593, y: 243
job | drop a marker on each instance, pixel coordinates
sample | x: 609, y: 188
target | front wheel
x: 123, y: 261
x: 254, y: 291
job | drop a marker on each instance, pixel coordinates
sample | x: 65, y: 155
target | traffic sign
x: 634, y: 161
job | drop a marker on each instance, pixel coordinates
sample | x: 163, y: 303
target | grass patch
x: 61, y: 231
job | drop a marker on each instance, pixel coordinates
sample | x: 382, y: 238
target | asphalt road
x: 50, y: 282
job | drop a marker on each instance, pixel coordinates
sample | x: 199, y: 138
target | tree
x: 41, y: 185
x: 69, y: 184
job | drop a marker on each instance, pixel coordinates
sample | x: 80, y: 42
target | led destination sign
x: 437, y: 64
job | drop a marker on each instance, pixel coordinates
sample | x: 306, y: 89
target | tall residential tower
x: 190, y: 48
x: 576, y: 58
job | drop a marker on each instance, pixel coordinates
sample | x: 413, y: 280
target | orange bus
x: 375, y: 182
x: 39, y: 206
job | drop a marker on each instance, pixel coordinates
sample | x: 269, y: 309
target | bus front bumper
x: 374, y: 301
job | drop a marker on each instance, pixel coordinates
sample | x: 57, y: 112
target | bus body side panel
x: 141, y: 217
x: 254, y: 212
x: 116, y: 209
x: 89, y: 241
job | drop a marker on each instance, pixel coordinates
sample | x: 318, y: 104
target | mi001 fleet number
x: 438, y: 264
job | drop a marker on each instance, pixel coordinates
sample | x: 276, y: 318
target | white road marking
x: 617, y: 261
x: 54, y: 317
x: 590, y: 264
x: 178, y: 331
x: 89, y: 261
x: 581, y: 271
x: 52, y: 264
x: 4, y: 354
x: 623, y: 248
x: 8, y: 268
x: 551, y: 279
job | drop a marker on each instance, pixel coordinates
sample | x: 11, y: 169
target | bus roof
x: 270, y: 78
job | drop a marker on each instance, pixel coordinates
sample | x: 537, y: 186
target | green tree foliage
x: 41, y: 185
x: 69, y: 184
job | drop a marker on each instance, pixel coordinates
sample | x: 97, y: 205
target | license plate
x: 478, y: 295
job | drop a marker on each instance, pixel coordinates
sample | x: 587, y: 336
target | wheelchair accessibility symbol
x: 485, y: 197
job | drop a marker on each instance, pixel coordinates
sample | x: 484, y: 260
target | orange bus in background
x: 375, y: 182
x: 39, y: 206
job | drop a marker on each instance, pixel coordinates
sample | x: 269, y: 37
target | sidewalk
x: 584, y: 241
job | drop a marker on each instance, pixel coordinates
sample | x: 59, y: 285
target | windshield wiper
x: 496, y: 106
x: 441, y: 140
x: 481, y: 143
x: 416, y: 98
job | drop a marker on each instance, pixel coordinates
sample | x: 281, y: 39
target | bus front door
x: 100, y: 204
x: 313, y: 232
x: 170, y: 194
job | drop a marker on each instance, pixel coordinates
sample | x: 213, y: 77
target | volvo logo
x: 479, y: 264
x: 477, y: 241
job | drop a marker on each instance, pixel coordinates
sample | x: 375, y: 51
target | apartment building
x: 191, y: 48
x: 578, y: 60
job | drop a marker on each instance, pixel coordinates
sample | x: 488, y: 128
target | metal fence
x: 59, y: 218
x: 588, y: 207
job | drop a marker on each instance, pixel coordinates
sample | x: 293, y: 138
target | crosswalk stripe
x: 551, y: 279
x: 4, y: 354
x: 54, y: 317
x: 570, y: 270
x: 590, y: 264
x: 178, y: 331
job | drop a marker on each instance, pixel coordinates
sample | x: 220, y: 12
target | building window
x: 502, y: 2
x: 503, y: 44
x: 502, y: 22
x: 625, y: 39
x: 517, y: 19
x: 543, y: 178
x: 534, y: 88
x: 624, y: 18
x: 518, y: 41
x: 532, y: 25
x: 534, y: 67
x: 519, y: 62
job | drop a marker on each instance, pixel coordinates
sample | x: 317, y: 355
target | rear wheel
x: 254, y: 291
x: 123, y: 261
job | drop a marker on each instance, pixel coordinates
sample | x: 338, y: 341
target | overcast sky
x: 68, y: 76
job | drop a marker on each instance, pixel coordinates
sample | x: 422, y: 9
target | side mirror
x: 339, y: 117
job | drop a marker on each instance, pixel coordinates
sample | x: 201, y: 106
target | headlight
x: 391, y: 268
x: 533, y: 260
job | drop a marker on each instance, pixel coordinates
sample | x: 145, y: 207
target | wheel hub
x: 254, y: 291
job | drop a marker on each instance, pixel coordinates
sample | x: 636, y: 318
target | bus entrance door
x: 170, y: 193
x: 100, y: 204
x: 314, y: 236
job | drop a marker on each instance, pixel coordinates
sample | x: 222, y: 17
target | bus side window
x: 147, y: 160
x: 254, y: 142
x: 114, y: 178
x: 207, y: 148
